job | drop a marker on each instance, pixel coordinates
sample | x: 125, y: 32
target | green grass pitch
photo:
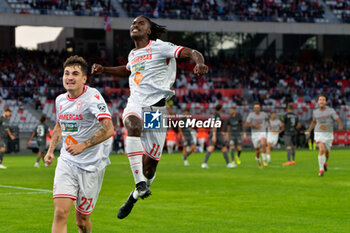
x: 191, y: 199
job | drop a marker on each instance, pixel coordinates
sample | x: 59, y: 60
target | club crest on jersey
x: 97, y: 96
x: 102, y: 107
x: 152, y: 119
x: 79, y: 104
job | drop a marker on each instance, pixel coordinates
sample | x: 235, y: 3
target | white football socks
x: 135, y: 152
x: 263, y: 156
x: 321, y: 161
x: 268, y: 158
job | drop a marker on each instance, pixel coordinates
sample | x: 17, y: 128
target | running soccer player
x: 258, y: 122
x: 216, y: 139
x: 187, y: 138
x: 323, y: 120
x: 85, y: 126
x: 151, y: 70
x: 4, y: 132
x: 274, y: 130
x: 234, y: 127
x: 289, y: 126
x: 41, y: 132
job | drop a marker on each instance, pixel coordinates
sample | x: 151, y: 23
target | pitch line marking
x: 25, y: 188
x: 21, y: 193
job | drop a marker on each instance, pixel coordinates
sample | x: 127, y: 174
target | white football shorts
x: 77, y: 184
x: 272, y: 138
x: 152, y: 139
x: 324, y: 137
x: 256, y: 138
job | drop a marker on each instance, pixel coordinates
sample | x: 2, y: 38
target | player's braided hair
x: 156, y: 29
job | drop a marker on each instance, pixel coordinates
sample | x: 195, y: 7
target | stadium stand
x: 177, y: 9
x: 64, y: 7
x: 277, y: 11
x: 274, y: 83
x: 340, y: 8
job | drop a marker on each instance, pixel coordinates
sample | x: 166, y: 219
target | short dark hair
x: 8, y: 110
x: 256, y: 103
x: 77, y: 61
x: 218, y: 107
x: 187, y: 110
x: 290, y: 106
x: 156, y: 29
x: 43, y: 119
x: 322, y: 95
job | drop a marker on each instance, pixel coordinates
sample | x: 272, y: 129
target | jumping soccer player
x: 85, y: 126
x: 151, y: 70
x: 41, y: 132
x: 187, y: 138
x: 4, y: 132
x: 289, y: 126
x: 272, y: 135
x: 258, y: 122
x: 322, y: 120
x: 216, y: 139
x: 234, y: 127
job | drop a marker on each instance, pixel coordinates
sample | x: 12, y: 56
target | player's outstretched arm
x: 197, y: 57
x: 119, y: 71
x: 55, y: 140
x: 312, y: 126
x: 103, y: 134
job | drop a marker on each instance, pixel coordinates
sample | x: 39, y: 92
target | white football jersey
x: 275, y: 125
x: 153, y: 72
x: 79, y: 121
x: 324, y: 119
x: 260, y: 119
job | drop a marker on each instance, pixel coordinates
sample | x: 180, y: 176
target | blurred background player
x: 151, y: 69
x: 289, y: 126
x: 41, y: 132
x: 234, y: 129
x: 188, y: 144
x: 118, y: 139
x: 311, y: 140
x: 85, y: 126
x: 322, y: 121
x: 202, y: 135
x: 258, y: 122
x: 217, y: 139
x: 4, y: 132
x: 274, y: 129
x: 170, y: 140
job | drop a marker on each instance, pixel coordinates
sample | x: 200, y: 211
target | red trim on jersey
x: 64, y: 196
x: 72, y: 99
x: 103, y: 116
x: 177, y: 51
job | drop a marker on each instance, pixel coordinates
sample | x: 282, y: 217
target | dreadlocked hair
x: 156, y: 29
